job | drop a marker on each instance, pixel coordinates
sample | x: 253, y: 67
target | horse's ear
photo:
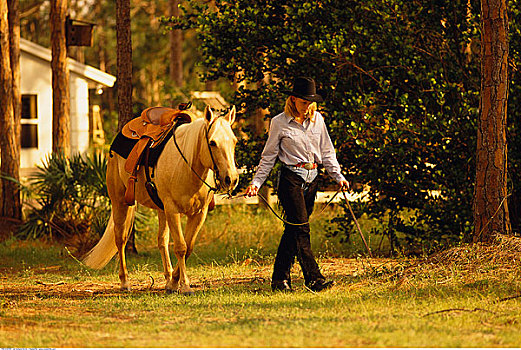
x: 208, y: 114
x: 230, y: 117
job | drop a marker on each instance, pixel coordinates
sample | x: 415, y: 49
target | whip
x: 357, y: 225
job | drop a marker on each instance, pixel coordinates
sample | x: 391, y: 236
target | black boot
x: 319, y: 284
x: 281, y: 286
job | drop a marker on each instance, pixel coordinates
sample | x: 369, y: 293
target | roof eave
x: 88, y: 72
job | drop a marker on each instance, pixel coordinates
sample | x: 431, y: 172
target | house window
x: 29, y: 122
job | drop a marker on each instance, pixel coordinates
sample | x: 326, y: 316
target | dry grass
x: 463, y: 297
x: 493, y: 266
x: 467, y: 296
x: 503, y: 251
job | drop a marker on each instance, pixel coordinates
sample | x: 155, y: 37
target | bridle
x: 215, y: 169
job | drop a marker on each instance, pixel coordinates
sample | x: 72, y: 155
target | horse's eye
x: 213, y: 144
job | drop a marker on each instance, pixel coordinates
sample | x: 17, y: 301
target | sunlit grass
x: 363, y: 311
x: 48, y: 299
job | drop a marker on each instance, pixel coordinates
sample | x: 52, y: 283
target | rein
x: 211, y: 188
x: 278, y: 215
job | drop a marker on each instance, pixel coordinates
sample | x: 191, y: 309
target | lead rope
x: 321, y: 211
x: 276, y: 214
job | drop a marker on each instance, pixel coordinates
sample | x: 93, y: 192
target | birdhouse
x: 79, y: 33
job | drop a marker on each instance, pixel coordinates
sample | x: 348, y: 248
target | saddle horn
x: 185, y: 106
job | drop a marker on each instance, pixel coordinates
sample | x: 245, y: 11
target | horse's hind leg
x: 123, y: 221
x: 163, y: 237
x: 122, y: 214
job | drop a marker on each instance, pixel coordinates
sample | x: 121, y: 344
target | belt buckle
x: 308, y: 166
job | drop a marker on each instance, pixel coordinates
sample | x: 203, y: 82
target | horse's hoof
x: 125, y: 289
x: 188, y: 293
x: 170, y: 291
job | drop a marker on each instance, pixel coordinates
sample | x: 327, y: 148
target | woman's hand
x: 252, y: 191
x: 344, y: 185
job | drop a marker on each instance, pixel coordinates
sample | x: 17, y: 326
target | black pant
x: 297, y: 200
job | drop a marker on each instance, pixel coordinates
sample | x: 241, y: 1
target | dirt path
x: 253, y: 276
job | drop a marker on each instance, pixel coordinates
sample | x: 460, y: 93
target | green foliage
x: 67, y: 197
x: 401, y: 81
x: 513, y: 116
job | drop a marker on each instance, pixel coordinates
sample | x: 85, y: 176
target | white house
x: 36, y: 90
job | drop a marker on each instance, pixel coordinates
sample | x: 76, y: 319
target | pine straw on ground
x: 503, y: 250
x: 491, y: 263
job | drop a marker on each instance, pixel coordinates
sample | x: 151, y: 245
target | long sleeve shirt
x: 294, y: 143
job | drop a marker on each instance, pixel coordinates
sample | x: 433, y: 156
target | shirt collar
x: 290, y: 118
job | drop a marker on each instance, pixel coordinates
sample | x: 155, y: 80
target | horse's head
x: 221, y: 148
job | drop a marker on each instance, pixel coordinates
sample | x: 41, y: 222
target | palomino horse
x: 207, y: 145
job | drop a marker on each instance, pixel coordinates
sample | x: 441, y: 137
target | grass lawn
x: 467, y: 297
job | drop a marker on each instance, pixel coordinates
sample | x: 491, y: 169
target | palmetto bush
x: 66, y: 199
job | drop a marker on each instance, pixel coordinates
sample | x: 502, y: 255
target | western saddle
x: 150, y: 130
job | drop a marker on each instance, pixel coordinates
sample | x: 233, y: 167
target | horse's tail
x: 102, y: 253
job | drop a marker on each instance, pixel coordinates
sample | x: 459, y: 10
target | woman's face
x: 301, y: 105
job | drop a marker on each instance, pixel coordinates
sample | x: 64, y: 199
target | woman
x: 299, y: 139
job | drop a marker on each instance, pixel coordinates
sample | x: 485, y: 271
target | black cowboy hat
x: 304, y: 88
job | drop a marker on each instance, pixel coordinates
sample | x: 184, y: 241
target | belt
x: 307, y: 166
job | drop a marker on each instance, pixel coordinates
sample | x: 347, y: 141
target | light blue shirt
x: 293, y: 143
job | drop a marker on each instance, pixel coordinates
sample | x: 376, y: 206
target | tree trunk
x: 60, y: 79
x: 14, y: 47
x: 14, y: 52
x: 490, y: 192
x: 124, y: 62
x: 9, y: 143
x: 124, y: 78
x: 176, y: 48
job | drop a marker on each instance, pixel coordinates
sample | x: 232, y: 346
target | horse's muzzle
x: 228, y: 183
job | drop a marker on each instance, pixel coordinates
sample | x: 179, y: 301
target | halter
x: 215, y: 169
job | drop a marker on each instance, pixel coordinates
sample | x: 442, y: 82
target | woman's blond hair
x: 291, y: 110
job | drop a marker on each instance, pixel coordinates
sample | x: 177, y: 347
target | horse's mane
x: 188, y: 137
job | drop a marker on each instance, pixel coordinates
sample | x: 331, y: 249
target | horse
x: 200, y: 155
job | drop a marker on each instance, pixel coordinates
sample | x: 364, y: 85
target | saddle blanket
x: 122, y: 145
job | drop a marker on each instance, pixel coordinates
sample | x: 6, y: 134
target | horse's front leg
x: 193, y: 226
x: 163, y: 237
x: 180, y: 248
